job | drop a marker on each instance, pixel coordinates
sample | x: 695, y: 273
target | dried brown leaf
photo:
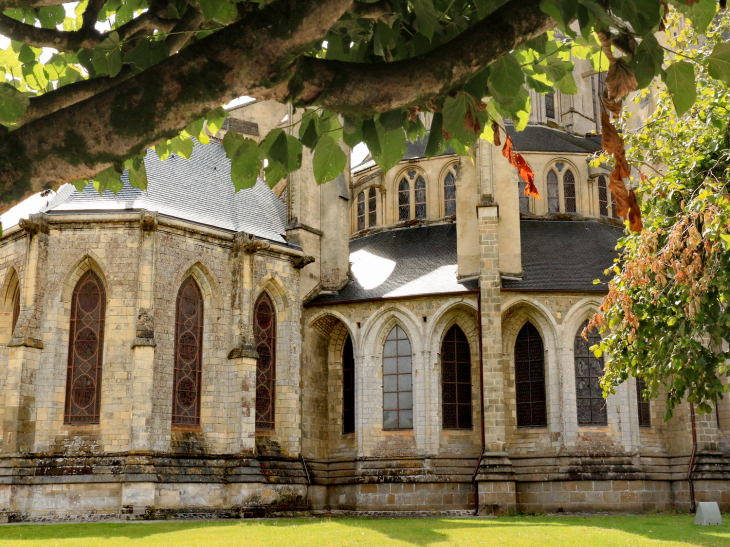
x: 495, y: 128
x: 605, y: 38
x: 635, y: 224
x: 612, y: 105
x: 508, y: 153
x: 619, y: 193
x: 431, y: 105
x: 527, y: 175
x: 471, y: 122
x: 620, y: 80
x: 446, y: 134
x: 611, y: 141
x: 413, y: 112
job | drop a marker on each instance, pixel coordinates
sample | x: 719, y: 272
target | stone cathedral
x: 404, y: 341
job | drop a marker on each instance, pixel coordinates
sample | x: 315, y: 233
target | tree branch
x: 354, y: 88
x: 183, y: 31
x: 91, y: 14
x: 79, y: 141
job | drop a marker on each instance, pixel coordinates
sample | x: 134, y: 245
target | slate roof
x: 534, y: 138
x: 565, y: 256
x: 197, y: 190
x: 402, y: 262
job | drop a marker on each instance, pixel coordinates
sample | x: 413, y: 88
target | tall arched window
x: 569, y: 191
x: 420, y: 198
x: 456, y: 380
x: 550, y: 105
x: 397, y: 381
x: 372, y: 208
x: 404, y: 200
x: 530, y: 378
x: 188, y: 355
x: 553, y: 192
x: 16, y: 307
x: 643, y: 403
x: 450, y: 192
x: 361, y: 211
x: 602, y: 196
x: 348, y: 387
x: 11, y: 305
x: 85, y: 351
x: 265, y: 336
x: 524, y: 200
x: 588, y: 373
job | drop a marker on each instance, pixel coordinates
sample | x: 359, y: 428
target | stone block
x: 708, y: 514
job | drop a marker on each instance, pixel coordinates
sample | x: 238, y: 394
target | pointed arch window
x: 643, y: 403
x: 404, y: 200
x: 16, y: 307
x: 530, y: 378
x: 361, y: 211
x: 450, y: 192
x: 85, y: 351
x: 397, y: 381
x: 550, y: 105
x: 265, y: 336
x: 456, y: 380
x: 569, y: 191
x: 524, y: 200
x: 420, y: 198
x: 188, y: 355
x: 588, y: 373
x: 553, y: 192
x: 372, y: 208
x: 348, y: 387
x: 12, y: 300
x: 602, y: 196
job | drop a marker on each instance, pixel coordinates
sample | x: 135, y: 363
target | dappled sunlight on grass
x: 672, y: 530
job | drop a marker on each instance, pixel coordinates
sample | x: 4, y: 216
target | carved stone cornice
x: 36, y: 224
x: 148, y: 221
x: 248, y: 243
x: 300, y: 261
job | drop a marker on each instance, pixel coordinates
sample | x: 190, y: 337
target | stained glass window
x: 348, y: 387
x: 602, y: 196
x: 188, y: 355
x: 530, y: 378
x: 552, y: 191
x: 361, y: 211
x: 420, y: 198
x: 524, y: 200
x: 643, y: 403
x: 265, y: 336
x: 16, y: 305
x: 450, y: 194
x: 86, y: 344
x: 588, y: 373
x: 372, y: 208
x: 404, y: 200
x: 550, y: 105
x: 397, y: 381
x: 569, y: 191
x: 456, y: 380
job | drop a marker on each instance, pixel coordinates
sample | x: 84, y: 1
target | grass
x: 674, y: 530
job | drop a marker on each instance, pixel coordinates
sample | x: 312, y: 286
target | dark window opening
x: 450, y: 194
x: 569, y: 191
x: 361, y: 211
x: 348, y: 387
x: 188, y: 355
x: 553, y: 192
x: 16, y: 306
x: 456, y: 380
x: 372, y: 208
x: 397, y: 381
x: 643, y: 403
x: 550, y: 105
x: 420, y: 198
x: 602, y: 196
x: 265, y: 337
x: 85, y: 348
x: 530, y: 378
x: 404, y: 200
x: 524, y: 200
x: 588, y: 373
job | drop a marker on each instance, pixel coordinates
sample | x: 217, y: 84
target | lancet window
x: 456, y: 380
x: 188, y: 355
x: 530, y: 378
x: 397, y: 381
x: 265, y: 337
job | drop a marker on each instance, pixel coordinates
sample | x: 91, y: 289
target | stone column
x: 26, y: 344
x: 144, y: 344
x: 495, y: 478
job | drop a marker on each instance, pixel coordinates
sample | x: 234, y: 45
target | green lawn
x: 654, y: 530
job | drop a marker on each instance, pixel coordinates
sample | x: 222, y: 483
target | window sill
x: 185, y: 428
x: 265, y: 432
x: 398, y: 432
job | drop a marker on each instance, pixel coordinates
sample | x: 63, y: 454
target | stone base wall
x: 430, y: 496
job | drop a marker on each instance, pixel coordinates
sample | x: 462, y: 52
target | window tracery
x: 450, y: 192
x: 404, y: 200
x: 602, y: 196
x: 265, y: 337
x: 643, y: 403
x: 361, y: 211
x: 456, y: 397
x: 188, y: 355
x: 530, y: 378
x: 588, y: 372
x: 372, y: 208
x: 553, y: 192
x: 420, y: 190
x: 397, y: 381
x: 85, y: 351
x: 569, y: 191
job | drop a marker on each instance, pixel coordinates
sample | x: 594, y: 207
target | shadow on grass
x: 417, y: 532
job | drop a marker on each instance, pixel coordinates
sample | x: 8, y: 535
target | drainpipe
x: 693, y: 504
x: 481, y: 405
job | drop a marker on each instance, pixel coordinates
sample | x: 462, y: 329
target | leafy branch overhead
x: 90, y: 86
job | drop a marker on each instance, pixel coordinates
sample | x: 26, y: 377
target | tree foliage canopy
x: 666, y: 317
x: 127, y: 75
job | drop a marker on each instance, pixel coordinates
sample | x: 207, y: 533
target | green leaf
x: 107, y: 56
x: 80, y: 184
x: 477, y: 86
x: 680, y: 80
x: 352, y: 133
x: 562, y: 11
x: 392, y: 120
x: 181, y: 146
x: 51, y: 16
x: 644, y: 15
x: 136, y: 172
x: 392, y: 146
x: 12, y: 103
x: 215, y: 120
x: 415, y: 130
x: 506, y: 76
x: 719, y: 62
x: 308, y: 129
x: 35, y: 76
x: 329, y: 160
x: 283, y: 149
x: 647, y: 61
x: 370, y: 137
x: 700, y: 13
x: 27, y: 54
x: 538, y: 86
x: 145, y: 54
x: 245, y: 159
x: 436, y: 142
x: 426, y: 17
x: 455, y: 110
x: 197, y: 129
x: 108, y: 179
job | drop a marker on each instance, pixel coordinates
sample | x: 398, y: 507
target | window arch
x: 550, y: 105
x: 404, y: 200
x: 456, y: 380
x: 602, y: 196
x: 530, y: 378
x: 265, y: 336
x: 643, y: 403
x: 85, y: 351
x: 188, y: 354
x: 397, y: 381
x: 569, y: 191
x: 372, y: 208
x: 361, y: 211
x: 553, y: 192
x: 11, y: 305
x: 450, y: 191
x: 348, y: 387
x: 420, y: 188
x: 588, y: 373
